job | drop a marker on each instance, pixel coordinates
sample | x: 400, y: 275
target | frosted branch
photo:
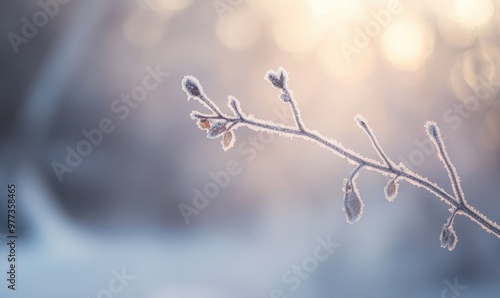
x: 218, y: 124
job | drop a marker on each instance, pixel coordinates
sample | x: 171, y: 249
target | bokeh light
x: 339, y: 8
x: 472, y: 13
x: 333, y: 62
x: 406, y: 43
x: 239, y: 29
x: 167, y: 7
x: 297, y: 32
x: 474, y: 68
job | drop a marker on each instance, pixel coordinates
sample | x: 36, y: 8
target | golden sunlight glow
x: 335, y: 64
x: 297, y: 32
x: 473, y: 13
x: 238, y: 30
x: 143, y: 28
x: 275, y: 8
x: 406, y: 43
x: 339, y: 7
x: 166, y: 7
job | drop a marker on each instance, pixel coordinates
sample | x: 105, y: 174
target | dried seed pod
x: 227, y: 140
x: 391, y: 189
x: 216, y: 130
x: 204, y: 124
x: 353, y: 205
x: 448, y: 238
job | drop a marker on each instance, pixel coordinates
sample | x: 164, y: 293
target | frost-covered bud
x: 278, y: 79
x: 391, y: 189
x: 191, y: 86
x: 204, y: 124
x: 353, y: 205
x: 448, y: 238
x: 432, y: 129
x: 216, y: 130
x: 275, y: 80
x: 285, y: 97
x: 227, y: 140
x: 361, y: 121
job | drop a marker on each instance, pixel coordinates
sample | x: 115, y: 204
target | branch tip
x: 234, y: 105
x: 433, y: 130
x: 192, y: 87
x: 435, y: 135
x: 277, y: 78
x: 366, y: 128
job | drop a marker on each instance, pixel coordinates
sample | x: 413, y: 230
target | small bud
x: 216, y: 130
x: 360, y: 120
x: 353, y: 206
x: 227, y: 140
x: 275, y: 80
x: 432, y: 129
x: 191, y: 86
x: 278, y: 79
x: 204, y: 124
x: 448, y: 238
x: 282, y: 75
x: 391, y: 189
x: 234, y: 104
x: 285, y: 97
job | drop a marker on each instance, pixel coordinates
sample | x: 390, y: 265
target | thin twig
x: 437, y: 139
x: 364, y: 125
x: 355, y: 171
x: 296, y: 112
x: 451, y: 218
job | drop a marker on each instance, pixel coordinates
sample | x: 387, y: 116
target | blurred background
x: 68, y: 65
